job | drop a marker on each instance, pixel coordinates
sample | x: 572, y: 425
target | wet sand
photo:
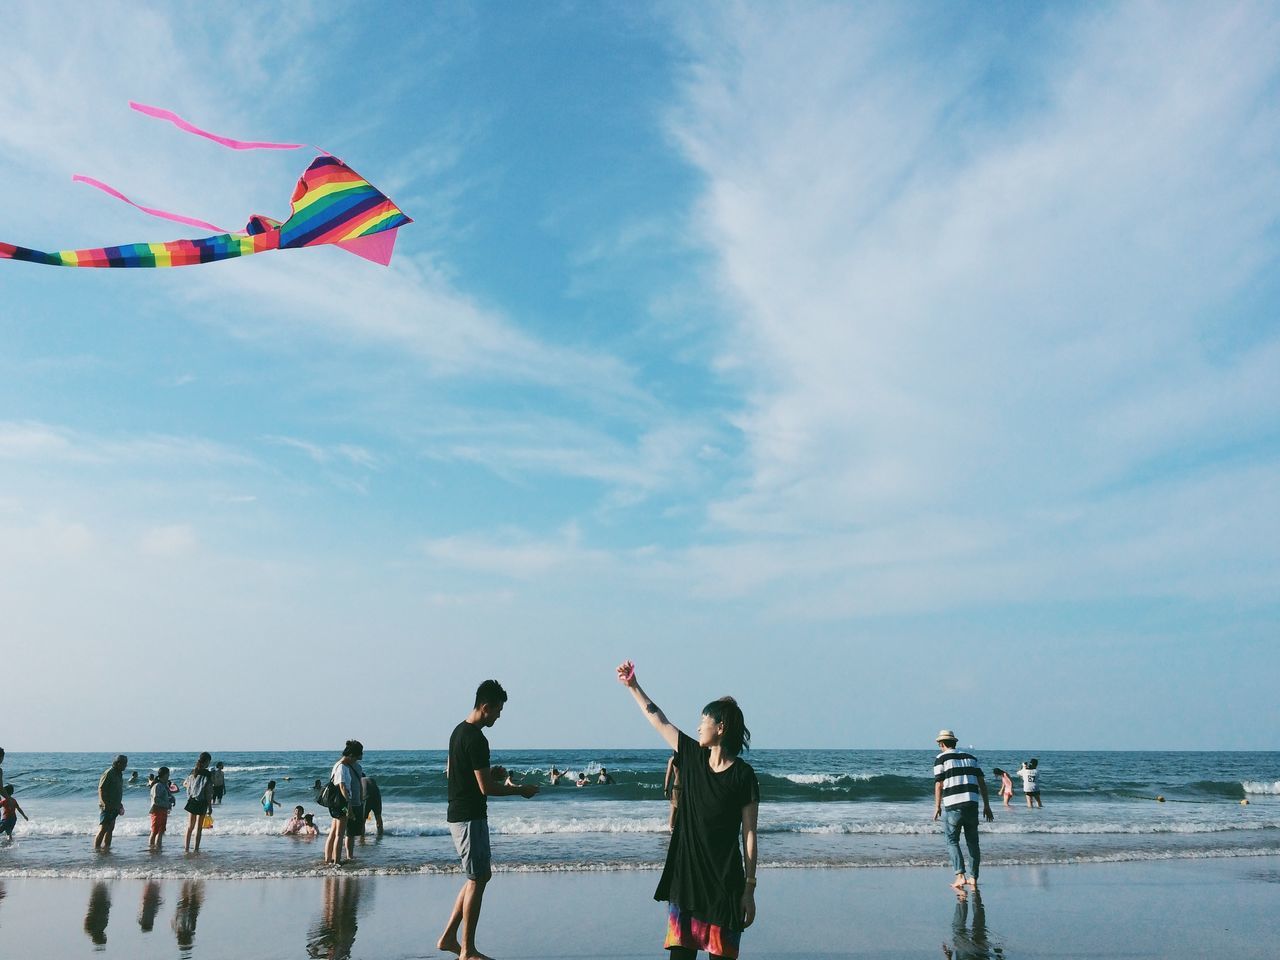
x: 1219, y: 907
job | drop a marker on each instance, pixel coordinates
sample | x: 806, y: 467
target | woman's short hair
x: 354, y: 748
x: 736, y: 735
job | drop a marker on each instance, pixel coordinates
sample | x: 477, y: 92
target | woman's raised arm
x: 657, y: 719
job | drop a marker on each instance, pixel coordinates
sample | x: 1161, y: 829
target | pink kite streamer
x: 181, y: 124
x: 162, y: 214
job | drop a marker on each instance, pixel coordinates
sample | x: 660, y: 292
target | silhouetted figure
x: 98, y: 913
x: 969, y: 943
x: 150, y: 905
x: 190, y: 900
x: 334, y: 934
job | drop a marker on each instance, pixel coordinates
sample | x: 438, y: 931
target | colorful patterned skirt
x: 686, y: 930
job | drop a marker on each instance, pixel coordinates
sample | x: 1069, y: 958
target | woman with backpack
x: 199, y: 784
x: 342, y: 795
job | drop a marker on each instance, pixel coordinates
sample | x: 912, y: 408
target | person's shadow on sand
x: 970, y: 942
x: 97, y: 914
x: 334, y: 934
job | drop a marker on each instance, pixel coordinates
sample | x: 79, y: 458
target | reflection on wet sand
x: 98, y: 913
x: 970, y: 941
x: 334, y: 934
x: 190, y: 900
x: 150, y: 905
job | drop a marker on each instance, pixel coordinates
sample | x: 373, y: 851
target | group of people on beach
x: 1029, y: 773
x: 959, y: 783
x: 709, y: 878
x: 200, y: 791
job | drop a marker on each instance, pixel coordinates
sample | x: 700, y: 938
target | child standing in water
x: 162, y: 801
x: 269, y: 799
x: 1006, y: 785
x: 9, y: 810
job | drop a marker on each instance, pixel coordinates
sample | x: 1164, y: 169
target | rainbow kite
x: 331, y: 204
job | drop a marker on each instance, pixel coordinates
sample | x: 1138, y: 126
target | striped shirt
x: 958, y: 773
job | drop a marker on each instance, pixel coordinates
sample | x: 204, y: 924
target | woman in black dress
x: 709, y: 881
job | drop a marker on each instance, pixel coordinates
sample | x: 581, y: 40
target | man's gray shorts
x: 471, y: 838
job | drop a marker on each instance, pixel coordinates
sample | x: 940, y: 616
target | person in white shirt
x: 1030, y: 787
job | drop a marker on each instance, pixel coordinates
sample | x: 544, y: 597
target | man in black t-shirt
x: 472, y: 780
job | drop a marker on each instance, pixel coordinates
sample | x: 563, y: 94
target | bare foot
x: 449, y: 945
x: 959, y: 882
x: 973, y: 882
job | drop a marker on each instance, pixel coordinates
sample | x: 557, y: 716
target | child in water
x: 269, y: 799
x: 1006, y: 785
x: 295, y: 824
x: 9, y: 810
x: 162, y: 801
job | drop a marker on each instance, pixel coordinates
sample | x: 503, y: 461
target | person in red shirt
x: 9, y: 810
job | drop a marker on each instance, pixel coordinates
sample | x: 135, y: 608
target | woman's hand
x: 627, y: 674
x: 748, y: 907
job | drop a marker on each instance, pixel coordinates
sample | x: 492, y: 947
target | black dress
x: 703, y: 873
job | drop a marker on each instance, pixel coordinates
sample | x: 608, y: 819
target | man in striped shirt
x: 957, y: 784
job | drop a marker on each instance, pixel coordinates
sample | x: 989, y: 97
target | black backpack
x: 330, y: 796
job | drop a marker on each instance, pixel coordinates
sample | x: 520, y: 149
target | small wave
x: 814, y: 779
x: 1265, y: 789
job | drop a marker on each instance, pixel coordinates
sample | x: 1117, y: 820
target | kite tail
x: 162, y: 214
x: 177, y: 121
x: 162, y: 114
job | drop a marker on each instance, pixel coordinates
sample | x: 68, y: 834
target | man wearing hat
x: 957, y: 784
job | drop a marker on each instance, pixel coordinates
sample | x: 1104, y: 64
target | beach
x: 1208, y: 907
x: 851, y: 862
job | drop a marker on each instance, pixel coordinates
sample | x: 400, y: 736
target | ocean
x: 823, y: 808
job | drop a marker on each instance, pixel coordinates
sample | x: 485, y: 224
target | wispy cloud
x: 515, y: 555
x: 348, y: 453
x: 946, y: 307
x: 34, y: 442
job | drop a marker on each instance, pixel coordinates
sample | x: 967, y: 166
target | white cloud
x: 516, y: 555
x: 35, y: 442
x: 349, y: 453
x: 984, y: 314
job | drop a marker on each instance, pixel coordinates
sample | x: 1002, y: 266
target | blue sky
x: 888, y: 366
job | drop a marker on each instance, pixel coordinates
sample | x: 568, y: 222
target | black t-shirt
x: 703, y: 873
x: 468, y: 752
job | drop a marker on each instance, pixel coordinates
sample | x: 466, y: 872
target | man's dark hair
x: 353, y: 748
x: 736, y: 735
x: 948, y: 743
x: 490, y: 692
